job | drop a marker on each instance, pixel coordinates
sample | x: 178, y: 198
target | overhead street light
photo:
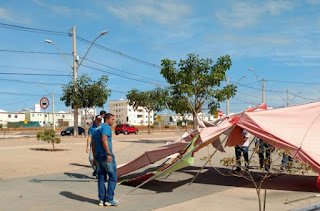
x: 52, y: 97
x: 75, y: 68
x: 101, y: 34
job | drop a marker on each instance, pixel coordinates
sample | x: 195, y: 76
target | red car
x: 125, y: 129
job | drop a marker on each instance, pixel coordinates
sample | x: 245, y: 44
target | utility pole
x: 54, y: 124
x: 75, y: 107
x: 227, y: 112
x: 288, y: 98
x: 263, y: 92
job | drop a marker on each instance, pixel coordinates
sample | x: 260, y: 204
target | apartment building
x: 124, y: 113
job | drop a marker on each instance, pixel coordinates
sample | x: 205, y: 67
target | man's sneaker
x: 101, y: 203
x: 111, y: 203
x: 94, y: 173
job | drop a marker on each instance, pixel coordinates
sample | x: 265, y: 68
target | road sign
x: 25, y: 121
x: 215, y: 114
x: 159, y: 118
x: 220, y: 113
x: 44, y: 103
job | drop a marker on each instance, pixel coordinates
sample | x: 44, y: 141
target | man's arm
x: 88, y: 141
x: 106, y: 147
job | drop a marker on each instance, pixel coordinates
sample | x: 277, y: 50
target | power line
x: 43, y: 31
x: 33, y: 30
x: 293, y: 82
x: 118, y: 53
x: 37, y: 74
x: 28, y: 68
x: 29, y: 82
x: 122, y: 76
x: 122, y: 71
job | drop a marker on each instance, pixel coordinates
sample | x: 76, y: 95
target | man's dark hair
x: 108, y: 116
x: 103, y: 112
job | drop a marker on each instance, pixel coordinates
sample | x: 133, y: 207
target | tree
x: 90, y: 93
x: 198, y: 79
x: 48, y: 135
x: 153, y: 100
x: 257, y: 177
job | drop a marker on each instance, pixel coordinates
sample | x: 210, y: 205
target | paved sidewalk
x: 68, y: 186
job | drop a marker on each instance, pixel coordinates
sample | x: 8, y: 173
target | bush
x: 166, y: 126
x: 48, y: 135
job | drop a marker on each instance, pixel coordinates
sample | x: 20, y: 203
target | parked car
x: 125, y: 129
x: 69, y: 131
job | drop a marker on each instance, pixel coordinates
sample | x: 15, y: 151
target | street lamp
x: 52, y: 97
x: 75, y: 69
x: 261, y: 85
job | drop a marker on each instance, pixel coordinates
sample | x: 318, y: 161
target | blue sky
x: 279, y: 40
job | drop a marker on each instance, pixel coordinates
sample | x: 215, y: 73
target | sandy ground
x: 28, y: 156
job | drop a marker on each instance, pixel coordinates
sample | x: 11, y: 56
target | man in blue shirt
x: 106, y: 164
x: 93, y: 128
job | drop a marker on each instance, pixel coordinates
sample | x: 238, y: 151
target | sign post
x: 220, y: 113
x: 44, y: 103
x: 159, y: 120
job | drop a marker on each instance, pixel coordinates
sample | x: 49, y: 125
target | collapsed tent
x: 295, y: 128
x: 209, y: 134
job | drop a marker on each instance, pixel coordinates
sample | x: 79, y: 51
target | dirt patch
x: 49, y: 150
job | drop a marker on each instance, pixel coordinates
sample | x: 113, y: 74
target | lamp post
x: 75, y: 69
x: 52, y: 97
x: 261, y: 85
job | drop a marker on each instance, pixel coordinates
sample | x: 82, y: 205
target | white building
x: 6, y: 117
x: 61, y: 118
x: 124, y: 113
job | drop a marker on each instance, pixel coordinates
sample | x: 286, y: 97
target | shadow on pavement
x: 210, y: 176
x: 73, y: 196
x: 147, y: 141
x: 82, y: 165
x: 78, y: 176
x: 49, y: 150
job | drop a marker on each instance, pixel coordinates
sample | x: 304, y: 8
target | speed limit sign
x: 44, y: 103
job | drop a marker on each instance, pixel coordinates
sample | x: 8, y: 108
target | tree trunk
x: 53, y: 145
x: 194, y: 115
x: 85, y: 122
x: 149, y: 122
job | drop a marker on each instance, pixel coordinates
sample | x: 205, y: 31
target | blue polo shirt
x: 104, y: 129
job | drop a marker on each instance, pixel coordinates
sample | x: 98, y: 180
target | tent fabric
x: 208, y: 135
x: 295, y: 128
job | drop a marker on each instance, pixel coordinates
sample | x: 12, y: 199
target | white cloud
x: 64, y: 10
x: 244, y: 14
x: 13, y: 17
x: 162, y: 12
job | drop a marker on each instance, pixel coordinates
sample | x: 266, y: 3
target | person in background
x: 93, y: 128
x: 102, y: 114
x: 106, y: 164
x: 243, y: 149
x: 264, y: 149
x: 286, y: 161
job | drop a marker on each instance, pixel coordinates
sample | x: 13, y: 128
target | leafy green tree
x: 153, y: 100
x: 48, y: 135
x: 198, y: 80
x: 90, y: 93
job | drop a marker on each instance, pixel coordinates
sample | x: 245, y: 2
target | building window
x: 45, y: 115
x: 32, y: 115
x: 62, y: 116
x: 9, y: 115
x: 16, y: 116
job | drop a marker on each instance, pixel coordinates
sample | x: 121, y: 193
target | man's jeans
x: 285, y: 160
x: 103, y: 168
x: 243, y: 150
x: 264, y: 148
